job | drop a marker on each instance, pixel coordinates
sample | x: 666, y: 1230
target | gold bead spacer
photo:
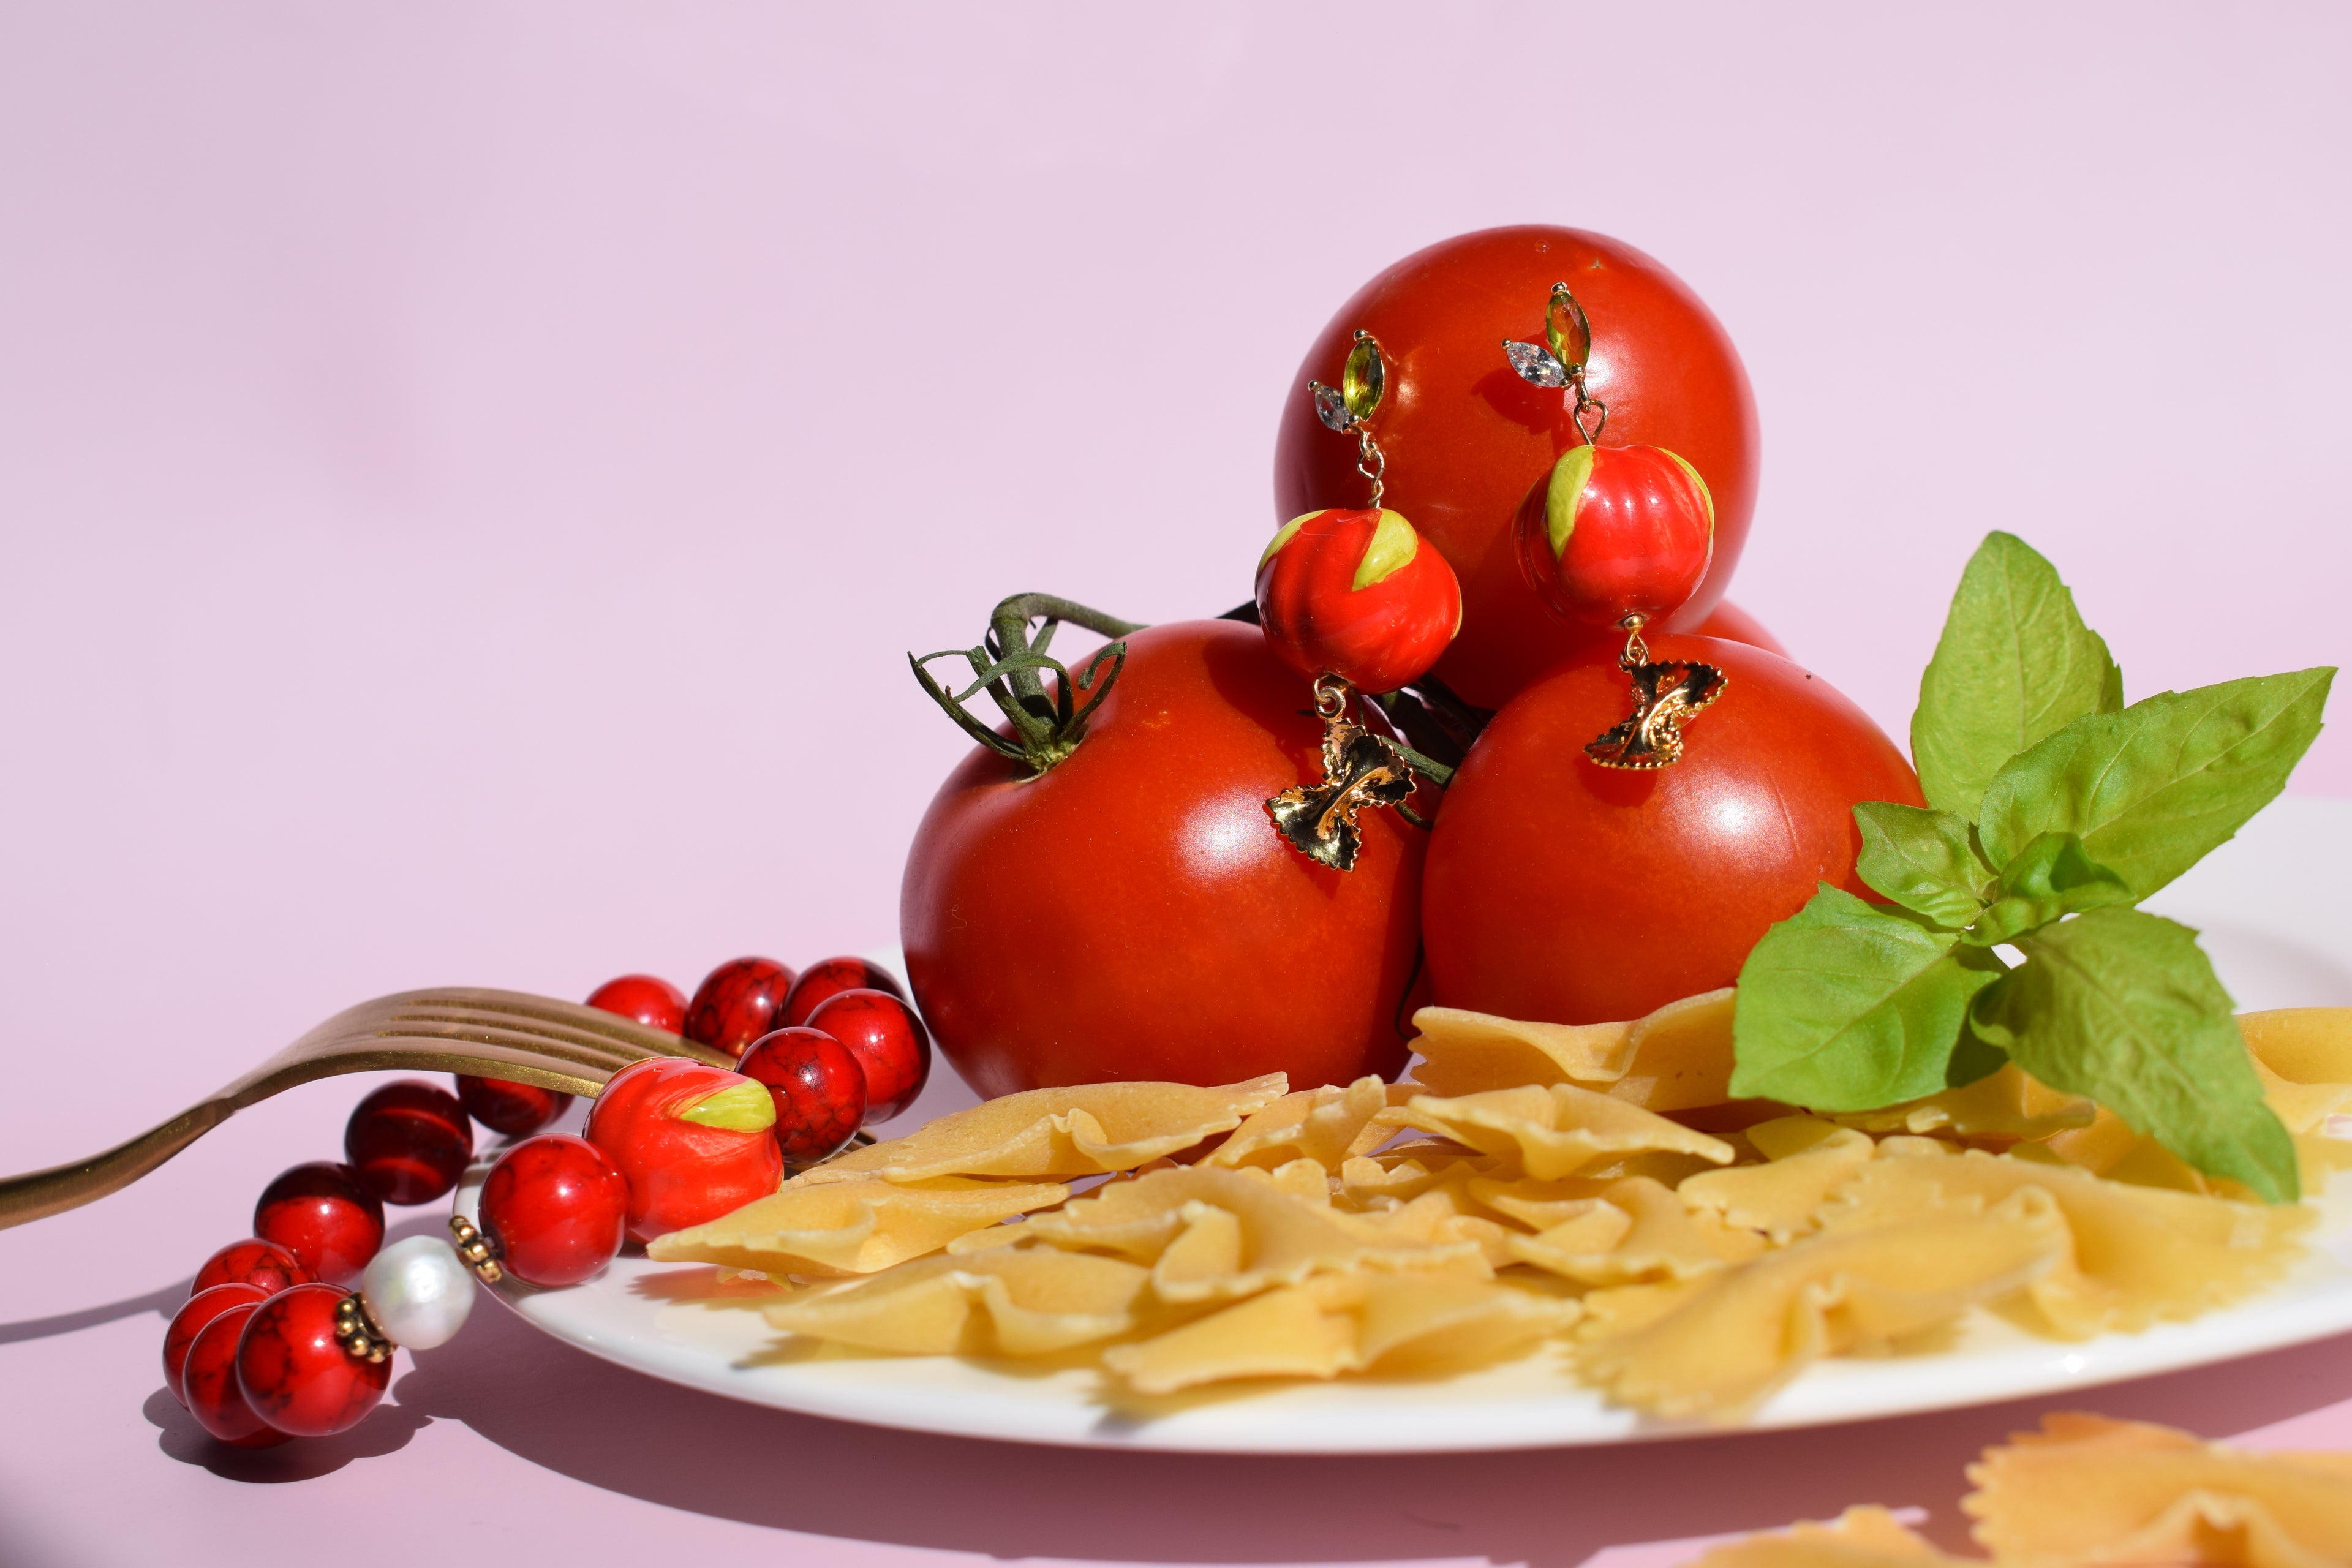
x: 474, y: 1248
x: 357, y: 1332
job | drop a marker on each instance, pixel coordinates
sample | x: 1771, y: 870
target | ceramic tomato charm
x: 1616, y: 531
x: 1465, y: 436
x: 325, y: 1215
x: 1129, y: 913
x: 1356, y: 593
x: 692, y: 1141
x: 889, y: 1040
x: 649, y: 999
x: 819, y: 1088
x: 1563, y: 891
x: 738, y: 1003
x: 830, y: 977
x: 556, y: 1210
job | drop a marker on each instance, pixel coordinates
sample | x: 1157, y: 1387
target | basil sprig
x: 2053, y: 808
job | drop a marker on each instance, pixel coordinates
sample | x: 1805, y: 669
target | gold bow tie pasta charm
x: 1360, y: 770
x: 1666, y: 696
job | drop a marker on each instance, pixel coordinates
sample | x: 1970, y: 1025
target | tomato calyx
x: 1010, y: 665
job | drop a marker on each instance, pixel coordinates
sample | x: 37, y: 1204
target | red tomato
x: 1465, y: 436
x: 1614, y: 531
x: 1728, y: 620
x: 1356, y: 593
x: 1132, y: 912
x: 694, y: 1141
x: 1564, y: 892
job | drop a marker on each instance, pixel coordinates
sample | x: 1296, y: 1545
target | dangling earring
x: 1619, y: 537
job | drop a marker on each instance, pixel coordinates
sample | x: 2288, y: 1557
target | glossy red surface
x: 649, y: 999
x: 1728, y: 620
x: 830, y: 977
x: 679, y: 1173
x: 737, y: 1002
x: 1642, y: 534
x: 1571, y: 893
x: 295, y: 1375
x: 325, y: 1215
x: 409, y: 1142
x: 1465, y: 436
x: 517, y: 1109
x: 252, y: 1261
x: 209, y: 1386
x: 889, y: 1042
x: 556, y: 1208
x: 199, y: 1310
x: 818, y: 1085
x: 1375, y: 637
x: 1132, y: 913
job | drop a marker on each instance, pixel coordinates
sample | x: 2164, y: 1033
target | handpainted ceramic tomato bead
x: 649, y: 999
x: 1356, y: 593
x: 829, y: 977
x: 517, y: 1109
x: 252, y: 1261
x: 693, y: 1141
x: 1566, y: 892
x: 737, y: 1002
x: 1615, y: 532
x: 409, y: 1142
x: 294, y: 1372
x: 1465, y: 436
x: 199, y: 1310
x: 323, y: 1215
x: 888, y: 1041
x: 556, y: 1210
x: 208, y: 1381
x: 819, y: 1088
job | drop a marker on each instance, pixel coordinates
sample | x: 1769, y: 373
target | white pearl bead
x: 418, y: 1292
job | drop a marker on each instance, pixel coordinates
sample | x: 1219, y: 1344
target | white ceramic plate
x: 2272, y: 949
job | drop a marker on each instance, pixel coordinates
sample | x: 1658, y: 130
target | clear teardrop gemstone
x: 1533, y: 363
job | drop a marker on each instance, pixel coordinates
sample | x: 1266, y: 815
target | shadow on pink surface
x: 560, y: 1408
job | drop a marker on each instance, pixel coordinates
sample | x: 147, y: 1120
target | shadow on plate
x: 565, y: 1410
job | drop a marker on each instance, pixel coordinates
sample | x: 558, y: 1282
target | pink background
x: 470, y: 475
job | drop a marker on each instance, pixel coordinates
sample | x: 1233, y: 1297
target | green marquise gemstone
x: 1364, y: 377
x: 1566, y: 330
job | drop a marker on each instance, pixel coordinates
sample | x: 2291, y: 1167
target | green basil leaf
x: 2124, y: 1006
x: 1975, y: 1056
x: 2047, y: 880
x: 2015, y: 663
x: 1924, y: 860
x: 2151, y: 789
x: 1850, y: 1005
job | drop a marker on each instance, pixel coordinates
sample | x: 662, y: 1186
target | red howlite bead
x: 199, y: 1310
x: 556, y: 1209
x: 209, y: 1386
x: 828, y: 978
x: 323, y: 1215
x: 295, y: 1375
x: 650, y: 1000
x: 409, y: 1142
x: 517, y: 1109
x: 888, y: 1041
x: 252, y: 1261
x: 737, y: 1002
x: 819, y: 1088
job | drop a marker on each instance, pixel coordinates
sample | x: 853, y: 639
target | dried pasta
x: 851, y: 1227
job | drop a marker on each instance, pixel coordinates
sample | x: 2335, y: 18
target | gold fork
x: 504, y: 1035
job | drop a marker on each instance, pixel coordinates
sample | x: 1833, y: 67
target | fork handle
x: 36, y: 1194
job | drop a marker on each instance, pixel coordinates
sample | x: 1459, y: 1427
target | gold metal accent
x: 491, y: 1034
x: 357, y: 1332
x: 1561, y: 360
x: 1666, y: 696
x: 1361, y: 770
x: 1363, y: 381
x: 474, y: 1250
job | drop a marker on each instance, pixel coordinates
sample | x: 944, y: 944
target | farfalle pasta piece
x: 2085, y: 1490
x: 1781, y: 1199
x: 851, y: 1227
x: 1541, y: 1206
x: 2302, y: 1044
x: 1405, y: 1172
x: 1719, y: 1344
x: 1216, y: 1235
x: 1557, y: 1130
x: 1662, y: 1238
x: 2006, y: 1105
x: 1336, y: 1323
x: 1329, y: 1125
x: 2138, y: 1255
x: 1676, y: 1058
x: 1089, y: 1129
x: 1006, y: 1300
x: 1865, y: 1537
